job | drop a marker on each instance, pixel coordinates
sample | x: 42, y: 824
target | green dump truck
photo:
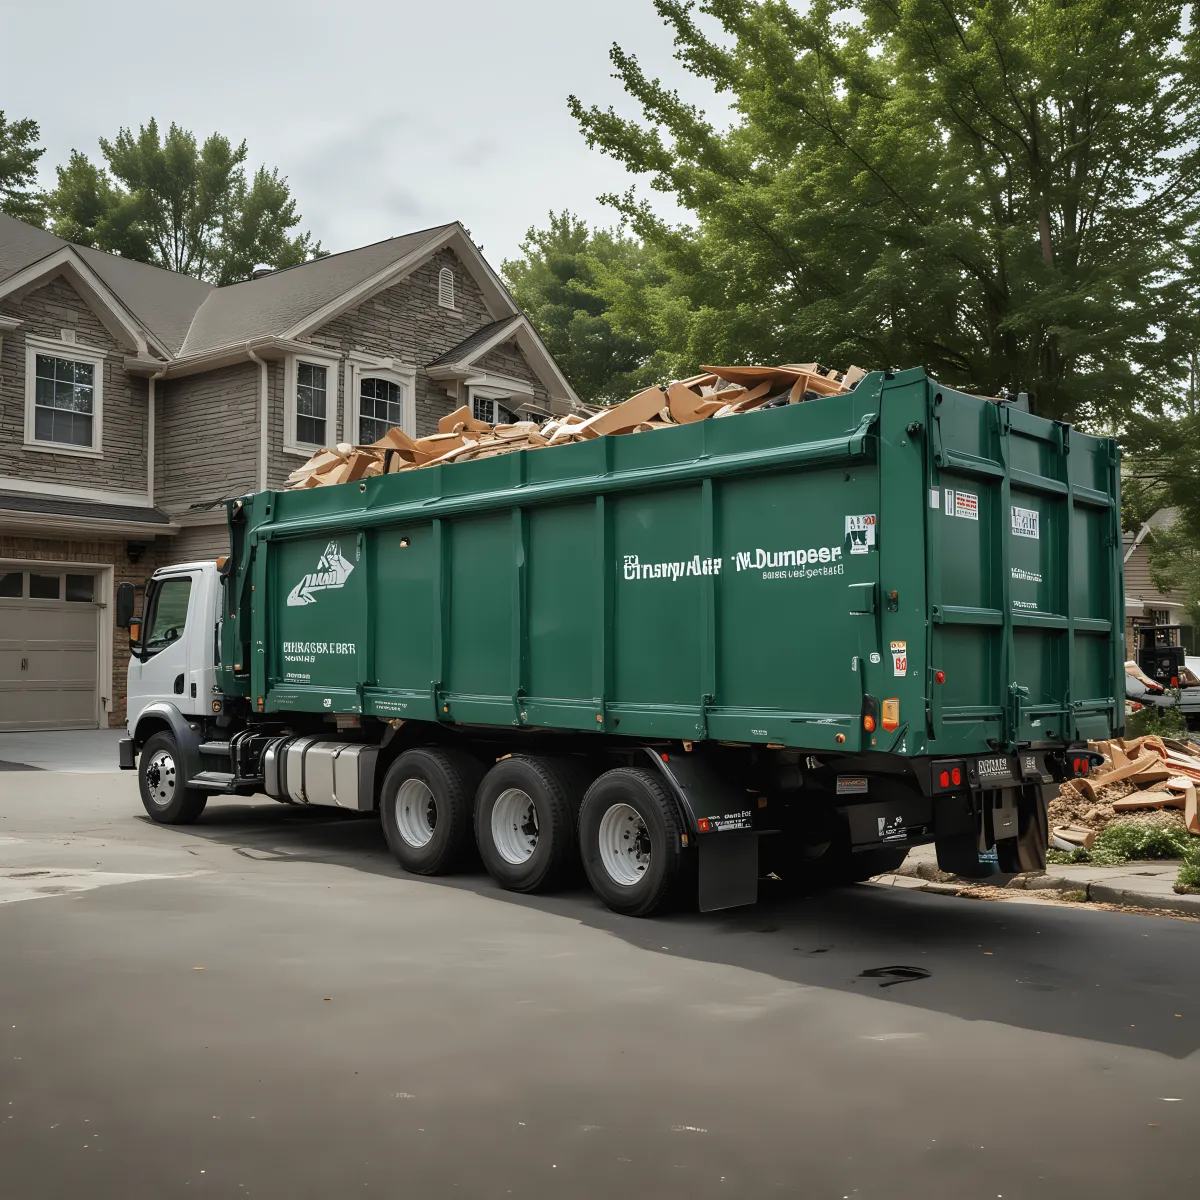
x: 797, y: 641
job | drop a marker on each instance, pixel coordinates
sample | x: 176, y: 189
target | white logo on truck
x: 332, y: 571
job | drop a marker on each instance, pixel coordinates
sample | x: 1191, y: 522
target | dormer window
x: 446, y: 287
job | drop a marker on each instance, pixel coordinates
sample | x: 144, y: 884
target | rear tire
x: 525, y: 823
x: 630, y: 841
x: 161, y: 781
x: 425, y: 805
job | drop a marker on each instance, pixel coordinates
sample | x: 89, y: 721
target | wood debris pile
x: 1149, y: 778
x: 719, y: 392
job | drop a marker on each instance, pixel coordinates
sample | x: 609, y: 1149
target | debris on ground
x: 1147, y: 780
x: 719, y: 392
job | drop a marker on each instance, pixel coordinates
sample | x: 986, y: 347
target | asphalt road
x: 263, y: 1005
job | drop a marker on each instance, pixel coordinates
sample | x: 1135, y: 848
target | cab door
x: 161, y: 670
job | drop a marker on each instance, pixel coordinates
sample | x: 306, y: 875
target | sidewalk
x: 1134, y: 884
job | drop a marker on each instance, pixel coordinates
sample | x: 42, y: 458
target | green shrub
x: 1189, y: 873
x: 1161, y: 722
x: 1122, y: 842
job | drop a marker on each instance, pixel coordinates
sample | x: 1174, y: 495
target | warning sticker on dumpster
x: 851, y: 785
x: 899, y: 658
x: 861, y: 532
x: 962, y: 504
x: 1025, y: 523
x: 891, y: 829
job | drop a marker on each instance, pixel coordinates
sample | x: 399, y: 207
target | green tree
x: 19, y: 154
x: 1002, y: 191
x: 567, y: 280
x: 181, y: 205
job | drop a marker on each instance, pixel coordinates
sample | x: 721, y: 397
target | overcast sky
x: 386, y: 117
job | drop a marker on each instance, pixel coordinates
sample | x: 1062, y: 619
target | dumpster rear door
x: 1026, y: 609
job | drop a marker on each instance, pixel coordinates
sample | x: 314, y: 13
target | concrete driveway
x: 263, y: 1004
x: 87, y: 750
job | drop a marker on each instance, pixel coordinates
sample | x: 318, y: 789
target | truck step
x: 219, y: 748
x: 213, y: 781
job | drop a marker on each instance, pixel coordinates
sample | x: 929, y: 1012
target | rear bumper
x: 127, y: 754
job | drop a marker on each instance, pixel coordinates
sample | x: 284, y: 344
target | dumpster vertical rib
x: 1116, y: 603
x: 258, y: 609
x: 520, y: 623
x: 441, y: 615
x: 708, y: 616
x: 605, y: 609
x: 1008, y: 656
x: 1068, y: 560
x: 369, y: 614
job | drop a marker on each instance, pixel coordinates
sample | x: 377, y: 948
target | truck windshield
x: 170, y: 613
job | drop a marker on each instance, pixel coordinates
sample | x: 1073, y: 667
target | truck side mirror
x: 126, y: 601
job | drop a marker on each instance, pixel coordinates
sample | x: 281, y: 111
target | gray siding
x: 45, y: 312
x: 195, y: 544
x: 207, y: 437
x: 1138, y: 583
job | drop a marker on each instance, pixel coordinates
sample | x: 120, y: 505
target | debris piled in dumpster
x: 719, y: 392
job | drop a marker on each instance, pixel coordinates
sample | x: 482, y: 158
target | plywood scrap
x: 464, y: 417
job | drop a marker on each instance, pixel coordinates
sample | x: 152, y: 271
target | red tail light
x: 939, y: 677
x: 956, y: 777
x: 944, y: 779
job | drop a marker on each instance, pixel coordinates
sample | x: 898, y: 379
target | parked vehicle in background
x: 801, y: 640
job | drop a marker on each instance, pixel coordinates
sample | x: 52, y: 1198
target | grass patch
x: 1189, y: 873
x: 1076, y: 897
x: 1121, y: 843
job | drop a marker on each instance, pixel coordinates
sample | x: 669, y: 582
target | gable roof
x: 276, y: 303
x: 469, y: 349
x: 181, y: 323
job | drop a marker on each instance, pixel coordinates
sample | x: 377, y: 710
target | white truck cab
x: 175, y: 655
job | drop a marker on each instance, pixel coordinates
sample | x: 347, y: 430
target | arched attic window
x: 446, y: 287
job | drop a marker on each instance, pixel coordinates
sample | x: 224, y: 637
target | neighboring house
x: 1144, y: 603
x: 134, y: 400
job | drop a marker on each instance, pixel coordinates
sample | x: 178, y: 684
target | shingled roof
x: 184, y: 321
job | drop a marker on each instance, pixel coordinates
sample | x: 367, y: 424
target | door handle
x: 193, y: 691
x: 24, y: 664
x: 179, y: 685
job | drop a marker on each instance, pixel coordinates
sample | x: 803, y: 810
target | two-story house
x: 1145, y: 604
x: 134, y: 400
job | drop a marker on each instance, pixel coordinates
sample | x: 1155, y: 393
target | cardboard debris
x: 718, y: 392
x: 1156, y: 780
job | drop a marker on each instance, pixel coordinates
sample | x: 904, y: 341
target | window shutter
x: 446, y: 287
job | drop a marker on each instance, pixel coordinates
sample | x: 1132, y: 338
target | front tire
x: 630, y: 838
x: 426, y: 805
x: 162, y: 783
x: 525, y: 822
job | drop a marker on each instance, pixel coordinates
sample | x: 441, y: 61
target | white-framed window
x: 492, y: 406
x: 310, y: 404
x: 381, y: 398
x: 64, y: 397
x: 380, y: 407
x: 446, y: 287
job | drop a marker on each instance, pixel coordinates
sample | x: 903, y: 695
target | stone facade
x: 46, y: 312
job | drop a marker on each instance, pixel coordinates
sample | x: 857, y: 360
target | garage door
x: 49, y: 649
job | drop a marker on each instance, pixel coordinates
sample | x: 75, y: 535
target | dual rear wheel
x: 535, y: 821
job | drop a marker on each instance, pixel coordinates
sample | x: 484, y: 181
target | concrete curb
x: 933, y: 880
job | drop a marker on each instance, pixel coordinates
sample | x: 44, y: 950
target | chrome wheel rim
x: 514, y: 826
x: 624, y: 845
x: 160, y: 778
x: 416, y: 813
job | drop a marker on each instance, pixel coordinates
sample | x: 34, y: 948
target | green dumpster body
x: 765, y: 579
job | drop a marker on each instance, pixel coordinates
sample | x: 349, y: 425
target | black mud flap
x: 126, y: 754
x: 728, y: 871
